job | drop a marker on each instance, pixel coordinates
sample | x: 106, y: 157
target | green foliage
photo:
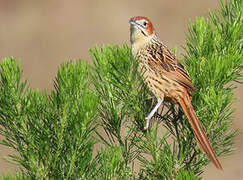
x: 214, y: 60
x: 124, y: 103
x: 52, y: 133
x: 123, y: 98
x: 16, y: 176
x: 111, y: 164
x: 106, y: 102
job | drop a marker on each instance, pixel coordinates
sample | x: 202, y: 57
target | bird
x: 166, y: 78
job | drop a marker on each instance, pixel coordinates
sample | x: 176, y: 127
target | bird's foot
x: 147, y: 123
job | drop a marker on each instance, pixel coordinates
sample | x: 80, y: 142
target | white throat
x: 138, y: 39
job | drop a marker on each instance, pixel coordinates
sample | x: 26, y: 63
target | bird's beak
x: 132, y: 21
x: 135, y: 24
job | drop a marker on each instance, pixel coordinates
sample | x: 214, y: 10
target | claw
x: 147, y: 123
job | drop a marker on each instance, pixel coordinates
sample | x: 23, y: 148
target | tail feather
x: 201, y: 137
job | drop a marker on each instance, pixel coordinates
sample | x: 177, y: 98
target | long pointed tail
x: 202, y: 139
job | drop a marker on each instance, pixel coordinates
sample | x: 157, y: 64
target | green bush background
x: 54, y: 133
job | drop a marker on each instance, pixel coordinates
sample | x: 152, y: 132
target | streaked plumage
x: 166, y: 77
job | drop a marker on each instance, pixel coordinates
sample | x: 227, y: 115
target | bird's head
x: 141, y: 30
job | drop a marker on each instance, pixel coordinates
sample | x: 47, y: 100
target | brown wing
x: 166, y: 63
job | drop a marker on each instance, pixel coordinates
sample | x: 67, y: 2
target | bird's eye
x: 144, y: 23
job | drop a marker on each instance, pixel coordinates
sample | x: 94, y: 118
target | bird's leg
x: 160, y: 100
